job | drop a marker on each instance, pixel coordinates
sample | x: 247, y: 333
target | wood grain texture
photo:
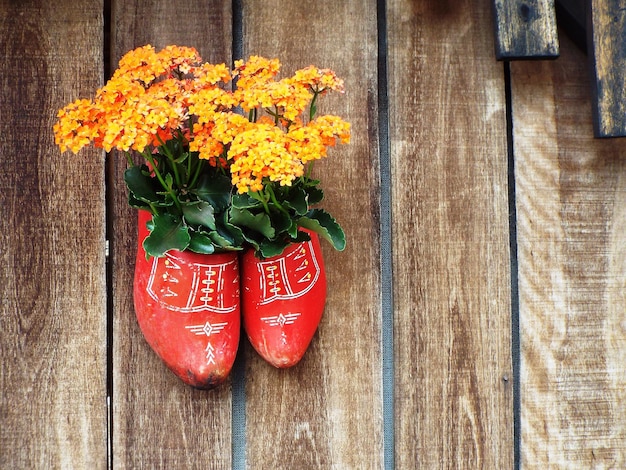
x: 52, y: 258
x: 454, y: 388
x: 525, y: 29
x: 571, y: 195
x: 159, y: 422
x: 326, y: 412
x: 608, y: 58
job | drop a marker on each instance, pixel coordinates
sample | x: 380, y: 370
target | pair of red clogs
x: 189, y: 306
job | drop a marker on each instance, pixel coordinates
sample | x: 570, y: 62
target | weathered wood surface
x: 608, y: 57
x: 525, y: 29
x: 326, y: 412
x: 451, y: 246
x: 571, y: 200
x: 451, y: 265
x: 158, y: 421
x: 52, y: 246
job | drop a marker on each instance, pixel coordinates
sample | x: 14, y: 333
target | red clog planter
x: 187, y: 307
x: 282, y: 301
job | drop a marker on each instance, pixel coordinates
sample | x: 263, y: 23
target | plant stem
x: 193, y: 181
x: 148, y: 156
x: 312, y: 107
x: 270, y: 191
x: 252, y: 115
x: 259, y: 197
x: 172, y: 160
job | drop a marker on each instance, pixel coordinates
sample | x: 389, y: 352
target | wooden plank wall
x: 571, y: 199
x: 157, y: 422
x: 431, y: 180
x: 319, y: 414
x: 52, y: 243
x: 451, y: 264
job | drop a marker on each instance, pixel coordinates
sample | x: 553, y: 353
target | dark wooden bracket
x: 525, y: 29
x: 600, y: 27
x: 606, y: 47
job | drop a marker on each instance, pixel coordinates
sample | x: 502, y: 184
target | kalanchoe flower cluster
x: 225, y: 166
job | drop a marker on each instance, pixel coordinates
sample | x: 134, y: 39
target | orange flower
x: 154, y: 97
x: 261, y: 152
x: 318, y: 80
x: 331, y: 128
x: 209, y: 74
x: 208, y: 147
x: 142, y: 64
x: 255, y: 71
x: 75, y: 127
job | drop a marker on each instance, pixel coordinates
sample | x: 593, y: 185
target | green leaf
x: 258, y: 222
x: 226, y: 235
x: 140, y: 184
x: 168, y: 233
x: 314, y: 195
x: 201, y: 243
x: 199, y: 213
x: 281, y: 222
x: 136, y: 203
x: 269, y: 248
x: 169, y: 180
x: 220, y: 240
x: 245, y: 201
x: 216, y: 190
x: 182, y: 158
x: 321, y: 222
x: 223, y: 242
x: 296, y: 199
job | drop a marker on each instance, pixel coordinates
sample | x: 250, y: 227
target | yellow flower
x: 180, y: 58
x: 75, y: 127
x: 255, y: 71
x: 318, y: 80
x: 261, y: 152
x: 205, y: 144
x: 228, y: 125
x: 306, y: 144
x: 288, y: 100
x: 330, y: 128
x: 142, y: 64
x: 209, y: 74
x: 207, y: 103
x: 156, y: 96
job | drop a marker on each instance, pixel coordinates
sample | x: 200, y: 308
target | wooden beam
x: 447, y: 132
x: 608, y: 57
x: 571, y: 230
x: 525, y: 29
x: 159, y: 422
x: 52, y: 247
x: 326, y: 412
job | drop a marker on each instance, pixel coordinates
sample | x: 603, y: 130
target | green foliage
x: 168, y: 233
x: 196, y: 207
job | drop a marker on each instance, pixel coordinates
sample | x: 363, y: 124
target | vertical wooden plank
x: 52, y: 259
x: 159, y: 422
x: 450, y: 231
x: 571, y: 200
x: 608, y: 58
x: 525, y: 29
x: 326, y: 412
